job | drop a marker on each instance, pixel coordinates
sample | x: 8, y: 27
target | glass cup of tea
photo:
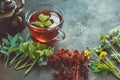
x: 45, y: 23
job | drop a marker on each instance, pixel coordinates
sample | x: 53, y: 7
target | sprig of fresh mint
x: 44, y: 21
x: 26, y: 52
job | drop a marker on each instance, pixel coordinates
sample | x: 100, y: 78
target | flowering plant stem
x: 112, y: 68
x: 114, y: 52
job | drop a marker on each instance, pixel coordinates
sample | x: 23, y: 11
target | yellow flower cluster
x: 86, y: 52
x: 102, y: 55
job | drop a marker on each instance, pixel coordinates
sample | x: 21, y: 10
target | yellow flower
x: 86, y: 52
x: 102, y: 55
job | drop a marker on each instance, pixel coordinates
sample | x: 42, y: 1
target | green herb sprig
x: 24, y: 53
x: 10, y: 45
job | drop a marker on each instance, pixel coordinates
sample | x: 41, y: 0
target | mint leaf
x: 40, y: 52
x: 47, y: 23
x: 40, y: 46
x: 3, y: 52
x: 102, y: 37
x: 43, y: 21
x: 32, y: 50
x: 9, y: 37
x: 23, y: 47
x: 5, y: 41
x: 43, y: 17
x: 15, y: 39
x: 37, y: 23
x: 12, y: 49
x: 94, y: 68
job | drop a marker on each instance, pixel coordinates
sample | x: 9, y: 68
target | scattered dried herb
x: 68, y: 65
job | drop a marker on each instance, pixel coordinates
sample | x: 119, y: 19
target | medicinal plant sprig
x: 27, y: 53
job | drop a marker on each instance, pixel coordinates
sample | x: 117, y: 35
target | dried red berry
x: 68, y: 65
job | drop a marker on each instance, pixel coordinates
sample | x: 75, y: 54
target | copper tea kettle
x: 10, y: 19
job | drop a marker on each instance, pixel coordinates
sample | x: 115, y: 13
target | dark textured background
x: 84, y: 21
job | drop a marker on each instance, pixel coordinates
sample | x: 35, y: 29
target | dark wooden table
x: 84, y: 21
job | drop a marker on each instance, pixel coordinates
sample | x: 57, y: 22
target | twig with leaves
x: 24, y: 53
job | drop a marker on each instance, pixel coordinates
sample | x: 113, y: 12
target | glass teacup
x: 51, y: 32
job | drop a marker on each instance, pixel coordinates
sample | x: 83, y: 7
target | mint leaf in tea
x: 43, y: 17
x: 37, y: 23
x: 44, y: 21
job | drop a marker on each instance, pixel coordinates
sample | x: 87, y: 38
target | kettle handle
x: 17, y: 18
x: 19, y: 9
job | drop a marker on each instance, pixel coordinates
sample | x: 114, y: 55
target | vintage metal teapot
x: 10, y: 19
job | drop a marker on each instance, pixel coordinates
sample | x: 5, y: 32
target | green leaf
x: 12, y: 49
x: 38, y: 23
x: 40, y: 46
x: 9, y: 37
x: 23, y: 47
x: 5, y: 41
x: 52, y: 50
x: 102, y: 37
x: 43, y: 17
x: 3, y: 52
x: 94, y: 68
x: 21, y: 39
x: 49, y: 51
x: 47, y: 23
x: 14, y: 39
x: 106, y: 46
x: 45, y: 52
x: 40, y: 52
x: 43, y: 21
x: 31, y: 49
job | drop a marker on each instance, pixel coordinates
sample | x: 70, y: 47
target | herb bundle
x: 114, y: 36
x: 114, y: 39
x: 68, y: 65
x: 23, y: 53
x: 105, y: 57
x: 99, y: 62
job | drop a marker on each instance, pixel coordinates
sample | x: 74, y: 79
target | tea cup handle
x: 61, y: 35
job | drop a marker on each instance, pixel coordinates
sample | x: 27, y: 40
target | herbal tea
x: 44, y: 25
